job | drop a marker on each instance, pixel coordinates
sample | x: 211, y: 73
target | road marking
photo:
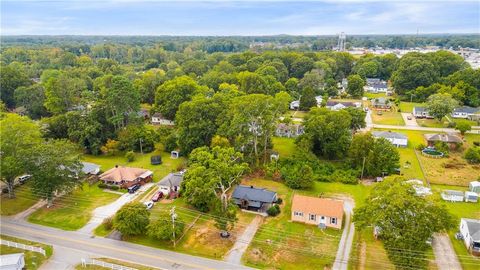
x: 35, y: 232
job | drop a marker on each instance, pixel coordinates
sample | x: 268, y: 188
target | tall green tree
x: 63, y: 92
x: 32, y: 99
x: 11, y: 77
x: 132, y: 219
x: 406, y: 221
x: 122, y: 101
x: 414, y: 70
x: 358, y: 118
x: 164, y: 228
x: 355, y: 85
x: 439, y: 105
x: 308, y: 100
x: 18, y: 137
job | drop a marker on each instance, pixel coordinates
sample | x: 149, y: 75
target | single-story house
x: 295, y: 105
x: 90, y: 168
x: 171, y: 183
x: 471, y: 196
x: 397, y: 139
x: 421, y: 112
x: 470, y: 230
x: 375, y: 85
x: 252, y: 198
x: 289, y: 131
x: 381, y: 103
x: 338, y: 105
x: 451, y: 139
x: 317, y: 211
x: 15, y: 261
x: 475, y: 186
x: 466, y: 112
x: 126, y: 176
x: 452, y: 195
x: 159, y: 119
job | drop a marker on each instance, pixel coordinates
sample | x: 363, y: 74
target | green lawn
x: 387, y: 118
x: 23, y: 200
x: 33, y: 260
x: 284, y: 146
x: 73, y: 211
x: 282, y: 244
x: 408, y: 106
x: 141, y: 161
x: 433, y: 123
x: 117, y: 262
x: 368, y: 253
x: 373, y: 95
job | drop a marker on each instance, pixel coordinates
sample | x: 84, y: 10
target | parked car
x: 149, y: 204
x: 133, y: 188
x: 409, y: 117
x: 157, y: 196
x: 22, y: 179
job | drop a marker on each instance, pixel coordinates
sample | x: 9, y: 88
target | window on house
x: 300, y: 214
x: 312, y: 217
x: 333, y: 220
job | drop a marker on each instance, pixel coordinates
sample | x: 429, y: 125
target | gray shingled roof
x: 89, y: 167
x: 449, y: 138
x: 251, y: 193
x: 420, y: 109
x: 473, y: 228
x: 172, y: 179
x: 389, y: 135
x: 466, y: 109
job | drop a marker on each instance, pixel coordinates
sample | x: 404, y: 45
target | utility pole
x: 174, y: 216
x: 141, y: 149
x: 363, y: 167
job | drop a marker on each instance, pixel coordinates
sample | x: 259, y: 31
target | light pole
x: 141, y: 149
x: 174, y: 216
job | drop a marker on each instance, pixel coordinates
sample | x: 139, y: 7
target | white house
x: 15, y: 261
x: 466, y: 112
x: 337, y: 105
x: 421, y: 112
x: 171, y: 183
x: 452, y: 195
x: 397, y: 139
x: 90, y: 168
x: 376, y: 86
x: 319, y: 100
x: 475, y: 186
x: 295, y: 105
x: 159, y: 119
x: 471, y: 196
x: 470, y: 230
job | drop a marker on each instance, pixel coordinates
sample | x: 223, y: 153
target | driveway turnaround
x: 235, y: 254
x: 345, y: 245
x: 445, y: 256
x: 102, y: 212
x: 103, y: 247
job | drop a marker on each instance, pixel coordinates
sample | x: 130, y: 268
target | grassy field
x: 33, y: 260
x: 284, y: 146
x: 373, y: 95
x: 388, y: 118
x: 408, y: 106
x: 368, y: 253
x: 141, y: 161
x: 117, y: 262
x: 23, y: 200
x: 433, y: 123
x: 73, y: 211
x: 282, y: 244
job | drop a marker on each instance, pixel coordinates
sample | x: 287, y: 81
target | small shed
x: 15, y: 261
x: 156, y: 160
x: 475, y: 186
x: 471, y: 196
x: 452, y: 195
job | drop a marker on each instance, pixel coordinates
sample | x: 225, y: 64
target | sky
x: 226, y: 18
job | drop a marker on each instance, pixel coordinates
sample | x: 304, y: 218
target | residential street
x: 445, y: 256
x: 100, y: 213
x: 345, y: 246
x: 102, y: 247
x: 235, y: 254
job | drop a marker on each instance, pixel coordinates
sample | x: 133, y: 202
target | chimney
x: 251, y: 186
x: 116, y: 166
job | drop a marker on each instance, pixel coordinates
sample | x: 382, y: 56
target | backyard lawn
x: 373, y: 95
x: 141, y: 161
x: 368, y: 253
x: 284, y: 146
x: 282, y: 244
x: 33, y: 260
x: 387, y: 118
x: 73, y: 211
x: 24, y: 198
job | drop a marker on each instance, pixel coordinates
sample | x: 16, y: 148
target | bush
x: 108, y: 223
x: 130, y: 156
x: 472, y: 155
x: 102, y: 185
x: 345, y: 176
x: 274, y: 210
x: 421, y: 146
x: 476, y: 143
x: 279, y: 201
x: 112, y: 187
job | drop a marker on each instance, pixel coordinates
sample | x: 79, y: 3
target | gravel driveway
x: 445, y: 256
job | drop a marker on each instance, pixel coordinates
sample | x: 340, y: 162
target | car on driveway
x: 149, y: 204
x: 133, y: 188
x: 22, y: 179
x: 157, y: 196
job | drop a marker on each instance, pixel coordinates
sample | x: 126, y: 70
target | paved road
x: 102, y: 212
x: 235, y: 254
x: 445, y: 256
x: 103, y: 247
x: 65, y: 258
x: 345, y: 245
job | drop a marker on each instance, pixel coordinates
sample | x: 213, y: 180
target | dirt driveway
x: 445, y: 256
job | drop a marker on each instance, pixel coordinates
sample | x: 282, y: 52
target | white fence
x: 105, y: 264
x: 22, y: 246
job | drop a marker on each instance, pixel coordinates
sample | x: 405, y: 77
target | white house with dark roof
x: 90, y: 168
x: 466, y: 112
x: 421, y: 112
x: 295, y: 105
x: 397, y: 139
x: 375, y: 85
x: 159, y: 119
x: 470, y: 230
x: 170, y: 183
x: 252, y: 198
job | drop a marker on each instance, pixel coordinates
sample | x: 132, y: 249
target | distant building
x: 466, y: 112
x: 470, y: 231
x: 452, y: 195
x: 421, y: 112
x: 376, y: 86
x: 289, y: 130
x: 397, y: 139
x: 340, y: 105
x: 159, y: 119
x: 295, y: 105
x: 381, y: 103
x: 15, y: 261
x: 317, y: 211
